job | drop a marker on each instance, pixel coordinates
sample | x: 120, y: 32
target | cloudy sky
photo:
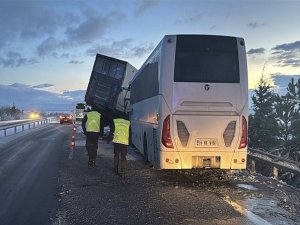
x: 54, y: 42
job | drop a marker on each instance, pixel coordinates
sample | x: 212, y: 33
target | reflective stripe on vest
x: 121, y: 134
x: 93, y: 122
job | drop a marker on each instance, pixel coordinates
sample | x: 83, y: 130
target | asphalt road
x: 160, y: 197
x: 43, y: 182
x: 29, y: 172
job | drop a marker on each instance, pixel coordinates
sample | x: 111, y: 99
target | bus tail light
x: 166, y: 133
x: 244, y: 138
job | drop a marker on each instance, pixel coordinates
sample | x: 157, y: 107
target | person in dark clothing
x: 120, y: 129
x: 91, y: 127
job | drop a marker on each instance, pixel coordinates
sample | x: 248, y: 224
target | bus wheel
x: 145, y: 150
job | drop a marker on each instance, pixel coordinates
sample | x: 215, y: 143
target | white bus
x: 189, y: 103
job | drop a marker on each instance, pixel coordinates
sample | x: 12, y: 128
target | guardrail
x: 21, y: 126
x: 275, y: 166
x: 276, y: 160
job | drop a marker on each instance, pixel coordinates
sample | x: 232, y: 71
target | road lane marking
x: 245, y: 212
x: 79, y: 143
x: 71, y: 154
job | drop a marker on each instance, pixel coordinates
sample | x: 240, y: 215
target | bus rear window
x: 207, y: 59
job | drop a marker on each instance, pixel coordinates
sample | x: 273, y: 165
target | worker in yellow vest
x: 121, y: 136
x: 91, y: 129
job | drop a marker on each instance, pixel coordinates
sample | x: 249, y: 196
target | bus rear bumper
x: 204, y: 159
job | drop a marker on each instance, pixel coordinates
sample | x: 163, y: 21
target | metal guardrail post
x: 252, y: 166
x: 275, y: 173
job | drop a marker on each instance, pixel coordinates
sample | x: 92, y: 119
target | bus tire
x: 145, y: 150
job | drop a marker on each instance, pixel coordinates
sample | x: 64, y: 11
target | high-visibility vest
x: 93, y: 122
x: 121, y: 134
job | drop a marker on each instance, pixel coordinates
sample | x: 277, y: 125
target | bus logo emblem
x: 206, y: 87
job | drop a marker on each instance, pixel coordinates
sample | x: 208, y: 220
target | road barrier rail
x: 274, y: 166
x: 278, y: 161
x: 16, y: 126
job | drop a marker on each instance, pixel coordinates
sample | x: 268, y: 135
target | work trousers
x: 92, y: 145
x: 120, y: 152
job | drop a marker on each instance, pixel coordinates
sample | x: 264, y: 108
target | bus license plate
x: 206, y: 142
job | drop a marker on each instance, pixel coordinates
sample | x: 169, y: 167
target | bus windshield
x: 206, y: 59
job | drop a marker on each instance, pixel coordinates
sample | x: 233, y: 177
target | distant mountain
x: 76, y: 95
x: 29, y: 98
